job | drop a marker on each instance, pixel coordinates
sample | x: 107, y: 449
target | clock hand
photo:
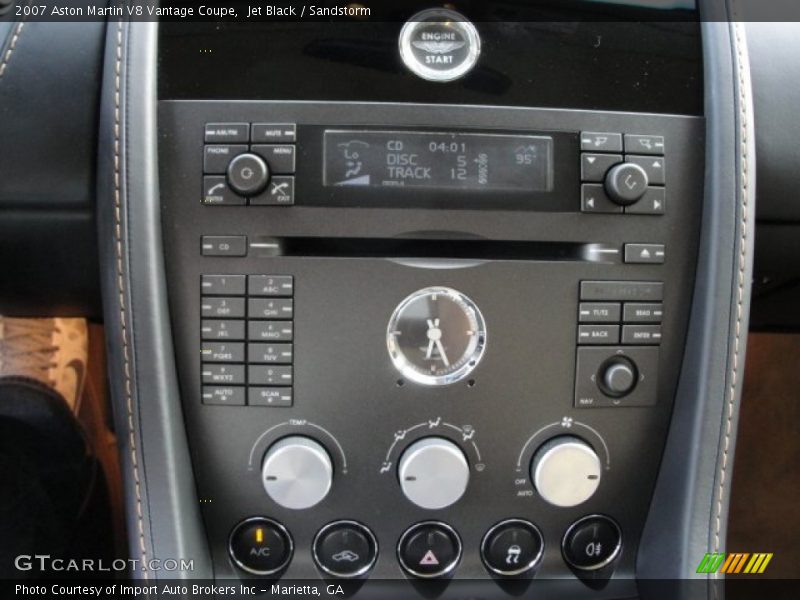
x: 440, y: 346
x: 430, y: 349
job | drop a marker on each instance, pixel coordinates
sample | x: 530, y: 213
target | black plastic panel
x: 344, y: 379
x: 572, y: 63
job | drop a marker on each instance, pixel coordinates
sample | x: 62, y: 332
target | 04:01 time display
x: 415, y: 159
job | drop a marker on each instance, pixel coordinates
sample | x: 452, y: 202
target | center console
x: 415, y: 307
x: 426, y: 341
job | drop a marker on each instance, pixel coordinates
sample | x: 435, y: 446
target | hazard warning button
x: 429, y: 549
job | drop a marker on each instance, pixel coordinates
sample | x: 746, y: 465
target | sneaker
x: 51, y: 351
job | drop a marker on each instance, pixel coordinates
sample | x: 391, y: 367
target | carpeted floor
x: 765, y: 501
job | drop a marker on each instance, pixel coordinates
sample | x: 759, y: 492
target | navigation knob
x: 248, y: 174
x: 617, y: 377
x: 625, y: 183
x: 297, y: 472
x: 433, y: 473
x: 566, y: 471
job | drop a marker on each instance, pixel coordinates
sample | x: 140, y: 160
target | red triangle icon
x: 429, y: 559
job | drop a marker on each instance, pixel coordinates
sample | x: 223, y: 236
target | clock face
x: 436, y: 336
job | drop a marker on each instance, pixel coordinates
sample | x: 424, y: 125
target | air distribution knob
x: 566, y: 471
x: 626, y: 183
x: 433, y: 473
x: 297, y: 472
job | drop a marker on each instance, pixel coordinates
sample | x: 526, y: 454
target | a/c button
x: 260, y: 546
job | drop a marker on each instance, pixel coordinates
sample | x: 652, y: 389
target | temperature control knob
x: 626, y: 183
x: 566, y: 471
x: 297, y: 472
x: 433, y: 473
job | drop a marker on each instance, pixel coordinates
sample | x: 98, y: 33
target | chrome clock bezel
x: 469, y: 360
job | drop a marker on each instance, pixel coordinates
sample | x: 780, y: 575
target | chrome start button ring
x: 439, y: 45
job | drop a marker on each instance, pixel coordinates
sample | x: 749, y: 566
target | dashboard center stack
x: 378, y: 307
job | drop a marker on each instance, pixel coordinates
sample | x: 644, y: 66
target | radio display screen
x: 415, y: 159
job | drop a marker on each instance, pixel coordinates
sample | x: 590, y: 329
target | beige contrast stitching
x: 11, y: 47
x: 742, y: 270
x: 121, y: 289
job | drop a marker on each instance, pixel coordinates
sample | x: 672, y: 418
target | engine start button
x: 439, y: 44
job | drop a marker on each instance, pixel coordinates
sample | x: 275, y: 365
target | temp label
x: 467, y: 161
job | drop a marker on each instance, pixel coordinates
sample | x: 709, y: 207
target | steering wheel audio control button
x: 592, y: 543
x: 345, y: 549
x: 248, y: 174
x: 439, y: 45
x: 260, y: 546
x: 428, y: 550
x: 512, y: 547
x: 625, y: 183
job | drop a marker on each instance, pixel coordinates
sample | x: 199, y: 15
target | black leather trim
x: 162, y: 505
x: 49, y: 93
x: 688, y: 515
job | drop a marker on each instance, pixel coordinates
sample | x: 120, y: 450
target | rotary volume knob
x: 433, y: 473
x: 566, y: 471
x: 297, y: 472
x: 626, y: 183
